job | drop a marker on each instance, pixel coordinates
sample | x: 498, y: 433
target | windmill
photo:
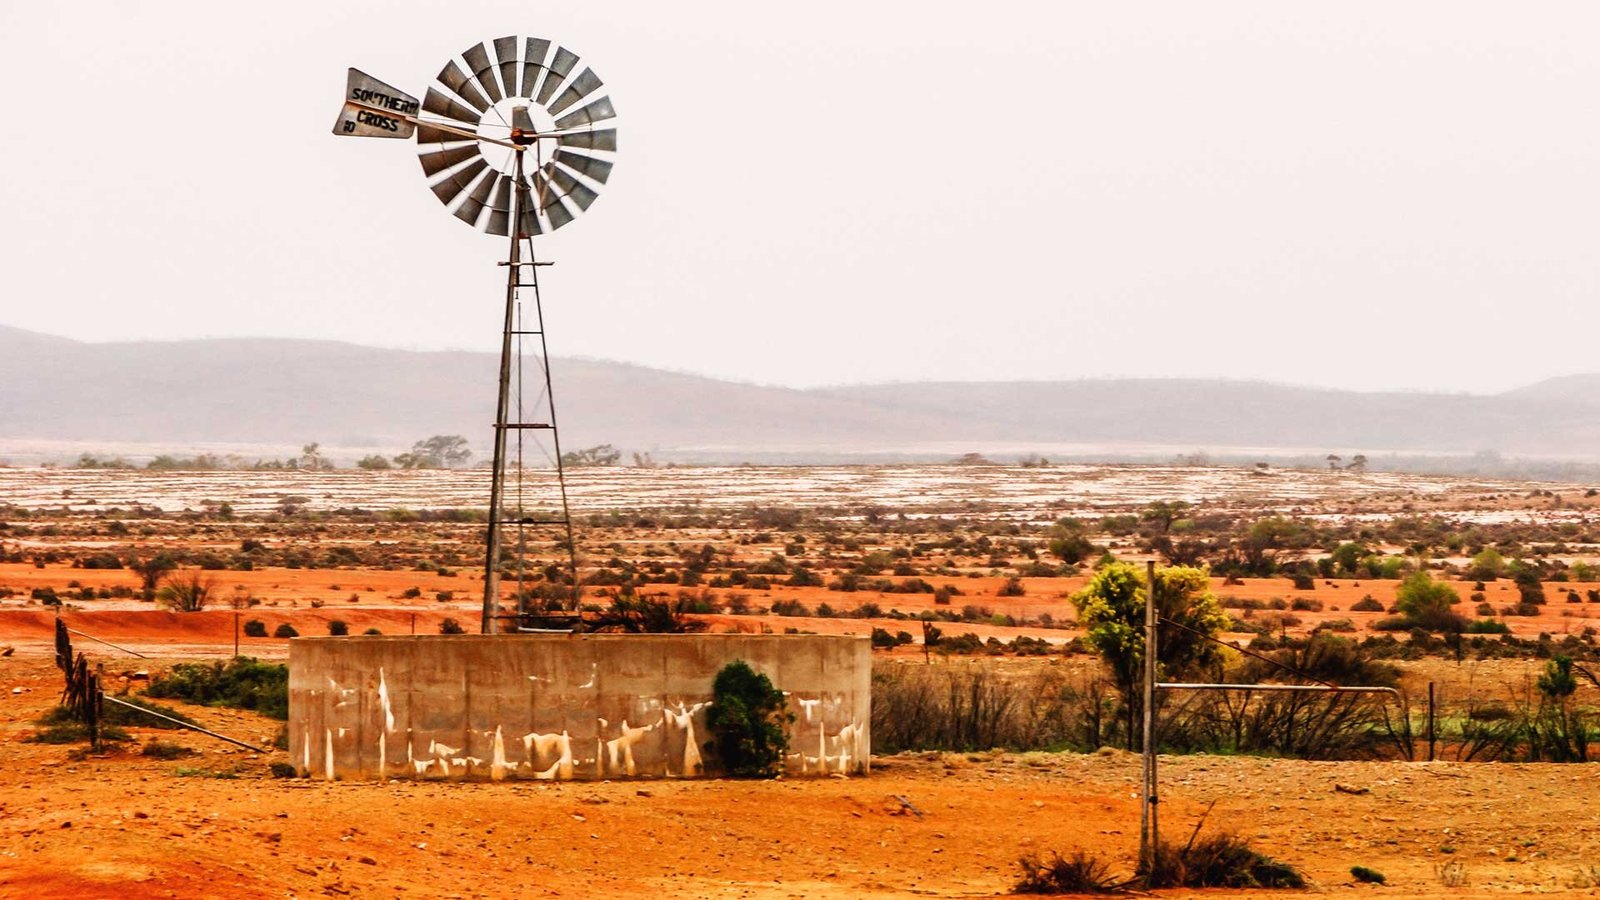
x: 486, y: 112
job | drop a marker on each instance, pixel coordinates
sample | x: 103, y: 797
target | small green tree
x: 749, y: 721
x: 1486, y: 566
x: 1111, y: 610
x: 1428, y: 604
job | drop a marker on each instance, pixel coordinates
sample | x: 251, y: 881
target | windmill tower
x: 516, y: 138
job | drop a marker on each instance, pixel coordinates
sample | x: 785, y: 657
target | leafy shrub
x: 372, y: 631
x: 241, y: 683
x: 338, y: 627
x: 255, y: 628
x: 451, y: 626
x: 749, y: 722
x: 1012, y: 588
x: 285, y: 630
x: 1488, y: 626
x: 1366, y: 604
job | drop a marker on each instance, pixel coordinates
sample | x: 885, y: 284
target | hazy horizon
x: 1284, y: 383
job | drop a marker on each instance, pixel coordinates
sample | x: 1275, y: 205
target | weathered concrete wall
x: 560, y: 706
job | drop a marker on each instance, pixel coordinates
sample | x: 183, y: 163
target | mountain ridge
x: 277, y: 390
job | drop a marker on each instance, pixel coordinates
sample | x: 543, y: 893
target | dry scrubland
x: 993, y: 552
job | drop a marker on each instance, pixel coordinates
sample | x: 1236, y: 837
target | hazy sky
x: 1367, y: 195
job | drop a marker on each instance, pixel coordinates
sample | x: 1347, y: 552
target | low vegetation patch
x: 165, y: 750
x: 1221, y: 860
x: 1078, y: 874
x: 241, y: 683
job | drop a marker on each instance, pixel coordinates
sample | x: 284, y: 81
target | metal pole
x: 1431, y: 722
x: 182, y: 724
x: 1149, y: 837
x: 491, y: 566
x: 236, y: 634
x: 107, y: 643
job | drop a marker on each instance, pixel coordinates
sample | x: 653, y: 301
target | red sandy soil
x: 133, y: 827
x: 287, y: 595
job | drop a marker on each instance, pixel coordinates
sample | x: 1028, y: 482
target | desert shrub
x: 1081, y: 874
x: 241, y: 683
x: 451, y: 626
x: 974, y: 706
x: 881, y: 638
x: 1487, y: 626
x: 1305, y: 604
x: 255, y: 628
x: 659, y: 614
x: 1366, y: 604
x: 338, y: 627
x: 101, y: 561
x: 285, y: 630
x: 789, y: 607
x: 189, y: 592
x: 1303, y: 581
x: 1011, y: 588
x: 749, y: 721
x: 1308, y: 726
x: 804, y: 577
x: 1529, y: 588
x: 372, y: 631
x: 1220, y: 860
x: 1484, y: 609
x: 282, y: 770
x: 1366, y: 875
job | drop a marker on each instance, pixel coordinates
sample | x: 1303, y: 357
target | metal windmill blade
x: 534, y: 109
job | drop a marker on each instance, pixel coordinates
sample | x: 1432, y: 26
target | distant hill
x: 262, y: 391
